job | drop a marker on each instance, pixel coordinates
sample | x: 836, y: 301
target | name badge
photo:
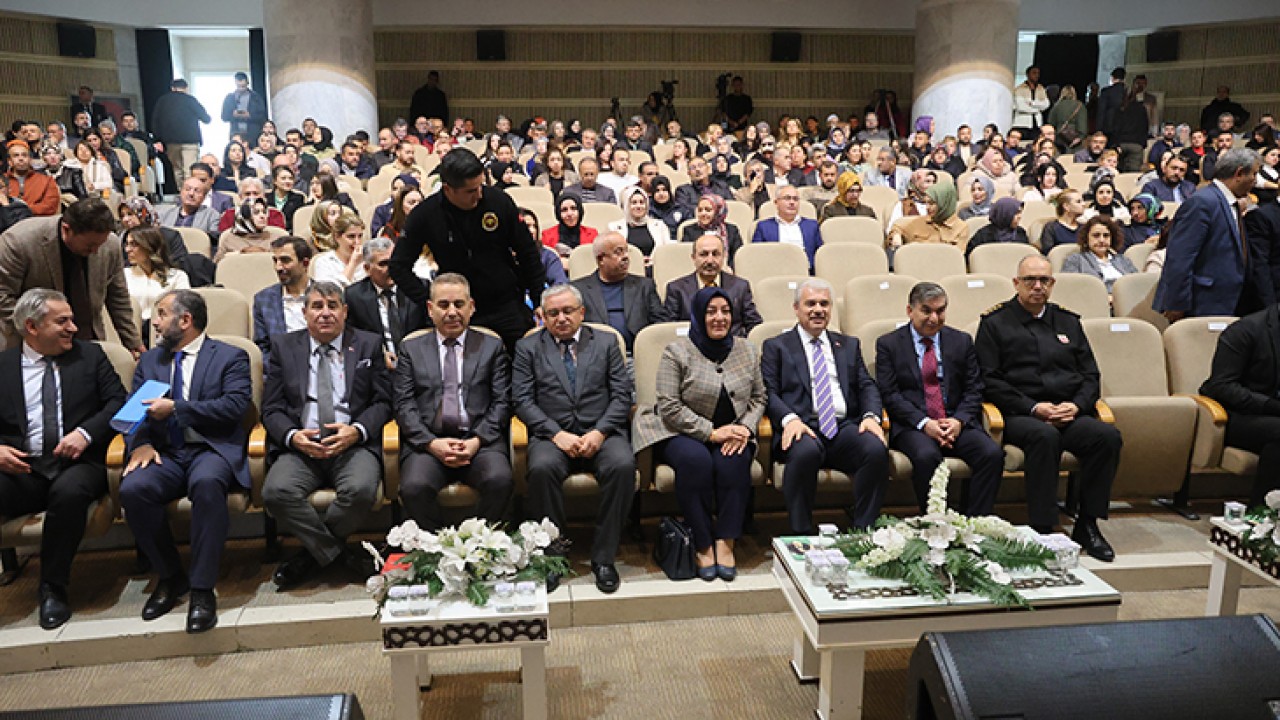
x: 1064, y: 339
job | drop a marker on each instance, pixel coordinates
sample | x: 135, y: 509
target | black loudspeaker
x: 1162, y: 46
x: 307, y: 707
x: 77, y: 40
x: 1194, y: 668
x: 785, y: 47
x: 491, y: 45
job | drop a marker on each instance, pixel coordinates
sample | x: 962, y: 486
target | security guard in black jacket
x: 474, y: 231
x: 1041, y: 374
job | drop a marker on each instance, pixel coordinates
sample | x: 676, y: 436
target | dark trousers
x: 354, y: 476
x: 65, y: 501
x: 194, y: 472
x: 1093, y: 442
x: 1258, y: 434
x: 976, y: 448
x: 614, y: 466
x: 511, y: 321
x: 423, y: 476
x: 859, y: 455
x: 711, y: 487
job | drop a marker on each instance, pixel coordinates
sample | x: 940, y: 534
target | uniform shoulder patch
x: 1059, y: 308
x: 998, y: 306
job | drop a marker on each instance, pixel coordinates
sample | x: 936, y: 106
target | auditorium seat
x: 1127, y: 184
x: 680, y: 231
x: 838, y: 263
x: 853, y: 229
x: 769, y: 329
x: 968, y: 296
x: 378, y: 188
x: 229, y: 312
x: 929, y: 261
x: 648, y: 347
x: 774, y: 296
x: 598, y: 215
x: 739, y: 213
x: 1036, y: 210
x: 1158, y: 429
x: 1139, y: 253
x: 544, y: 211
x: 770, y: 209
x: 523, y: 195
x: 756, y: 261
x: 881, y: 199
x: 197, y: 241
x: 1131, y: 296
x: 302, y: 221
x: 1058, y: 256
x: 582, y: 261
x: 874, y: 297
x: 998, y: 258
x: 1190, y: 345
x: 670, y: 262
x: 246, y: 273
x: 1084, y: 295
x: 977, y: 223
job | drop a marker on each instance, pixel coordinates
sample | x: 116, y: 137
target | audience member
x: 613, y: 296
x: 1171, y: 185
x: 175, y: 120
x: 1101, y: 239
x: 22, y: 182
x: 789, y: 227
x: 642, y: 231
x: 939, y: 225
x: 151, y: 272
x: 1005, y: 226
x: 1222, y: 103
x: 847, y: 201
x: 888, y: 173
x: 711, y: 218
x: 249, y: 234
x: 708, y: 262
x: 568, y: 232
x: 69, y: 180
x: 588, y: 189
x: 1069, y: 206
x: 278, y: 308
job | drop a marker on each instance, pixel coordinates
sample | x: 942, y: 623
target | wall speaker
x: 77, y: 40
x: 1163, y: 46
x: 491, y: 45
x: 1191, y: 668
x: 785, y: 47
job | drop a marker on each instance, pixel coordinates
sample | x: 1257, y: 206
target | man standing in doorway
x: 175, y: 120
x: 244, y: 110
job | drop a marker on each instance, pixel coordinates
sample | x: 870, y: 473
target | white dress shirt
x: 837, y: 396
x: 789, y: 233
x: 33, y: 369
x: 463, y: 420
x: 293, y: 305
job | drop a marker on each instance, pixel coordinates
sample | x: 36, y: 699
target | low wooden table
x: 456, y: 624
x: 838, y: 626
x: 1230, y: 558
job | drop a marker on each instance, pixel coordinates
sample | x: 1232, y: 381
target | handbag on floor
x: 674, y: 550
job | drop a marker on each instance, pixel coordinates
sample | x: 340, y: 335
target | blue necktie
x: 176, y: 441
x: 570, y: 365
x: 822, y: 392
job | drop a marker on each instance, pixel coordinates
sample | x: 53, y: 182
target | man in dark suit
x: 931, y: 383
x: 1207, y: 268
x: 788, y: 226
x: 827, y: 411
x: 452, y: 403
x: 1039, y: 370
x: 708, y: 259
x: 613, y: 296
x: 570, y: 387
x: 54, y: 435
x: 85, y: 104
x: 191, y: 445
x: 278, y: 309
x: 326, y: 396
x: 1109, y: 101
x: 1246, y: 380
x: 377, y: 306
x: 1262, y: 229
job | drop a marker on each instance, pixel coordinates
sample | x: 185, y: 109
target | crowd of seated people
x: 343, y: 354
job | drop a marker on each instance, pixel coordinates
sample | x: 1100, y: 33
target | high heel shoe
x: 709, y: 573
x: 726, y: 573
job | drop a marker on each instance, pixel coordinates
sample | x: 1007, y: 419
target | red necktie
x: 933, y: 404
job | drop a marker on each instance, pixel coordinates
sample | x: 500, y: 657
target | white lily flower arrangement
x: 944, y: 552
x: 461, y: 561
x: 1263, y: 533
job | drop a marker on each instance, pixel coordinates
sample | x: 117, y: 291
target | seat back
x: 1035, y: 210
x: 853, y: 229
x: 255, y: 373
x: 1131, y: 296
x: 229, y: 311
x: 1189, y: 346
x: 598, y: 215
x: 647, y: 350
x: 881, y: 199
x: 582, y: 261
x: 522, y: 195
x: 874, y: 297
x: 1058, y: 256
x: 977, y: 223
x: 968, y: 296
x: 929, y: 261
x: 1130, y: 357
x: 774, y: 296
x: 302, y: 221
x: 378, y: 187
x: 1084, y: 295
x: 670, y: 262
x: 870, y: 332
x: 838, y: 263
x: 246, y: 272
x: 197, y: 241
x: 770, y: 209
x: 544, y: 211
x: 756, y: 261
x: 769, y: 329
x: 741, y: 214
x: 999, y: 258
x: 1139, y: 253
x: 122, y: 360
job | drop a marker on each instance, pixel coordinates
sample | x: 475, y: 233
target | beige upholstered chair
x: 774, y: 296
x: 756, y: 261
x: 523, y: 195
x: 929, y: 261
x: 1058, y: 256
x: 302, y: 221
x: 598, y: 215
x: 968, y: 296
x: 838, y: 263
x: 874, y: 297
x: 1139, y: 253
x: 197, y: 241
x: 670, y: 262
x: 1131, y: 296
x: 881, y: 199
x: 229, y: 312
x: 1082, y: 294
x: 853, y: 229
x: 998, y: 258
x: 246, y: 273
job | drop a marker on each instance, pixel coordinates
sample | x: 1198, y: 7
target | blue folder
x: 134, y: 412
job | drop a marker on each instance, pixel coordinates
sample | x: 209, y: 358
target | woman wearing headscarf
x: 711, y: 215
x: 249, y: 235
x: 981, y: 195
x: 321, y: 148
x: 500, y: 174
x: 942, y: 161
x: 848, y: 200
x: 640, y: 230
x: 939, y: 225
x: 569, y: 230
x: 913, y: 204
x: 137, y: 211
x: 995, y: 167
x: 1144, y: 220
x: 1106, y: 201
x: 1005, y: 216
x: 721, y: 165
x: 710, y: 398
x: 663, y: 204
x: 835, y: 144
x: 70, y: 179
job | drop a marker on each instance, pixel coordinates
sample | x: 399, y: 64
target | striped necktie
x: 822, y: 392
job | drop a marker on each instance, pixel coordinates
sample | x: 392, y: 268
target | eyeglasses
x: 556, y: 312
x: 1033, y: 280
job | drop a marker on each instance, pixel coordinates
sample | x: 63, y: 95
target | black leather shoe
x: 168, y: 593
x: 357, y: 563
x: 607, y: 580
x: 202, y: 611
x: 1091, y: 541
x: 295, y: 571
x: 54, y: 610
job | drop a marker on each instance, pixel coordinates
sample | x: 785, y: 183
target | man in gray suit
x: 887, y: 172
x: 326, y: 398
x: 708, y: 259
x: 451, y: 401
x: 613, y: 296
x: 570, y: 386
x: 191, y: 211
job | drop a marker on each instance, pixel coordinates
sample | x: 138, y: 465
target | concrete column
x: 320, y: 64
x: 965, y: 52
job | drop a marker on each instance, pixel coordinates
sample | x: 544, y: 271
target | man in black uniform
x: 1041, y: 374
x: 476, y: 232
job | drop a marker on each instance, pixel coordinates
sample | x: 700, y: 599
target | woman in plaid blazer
x: 711, y: 397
